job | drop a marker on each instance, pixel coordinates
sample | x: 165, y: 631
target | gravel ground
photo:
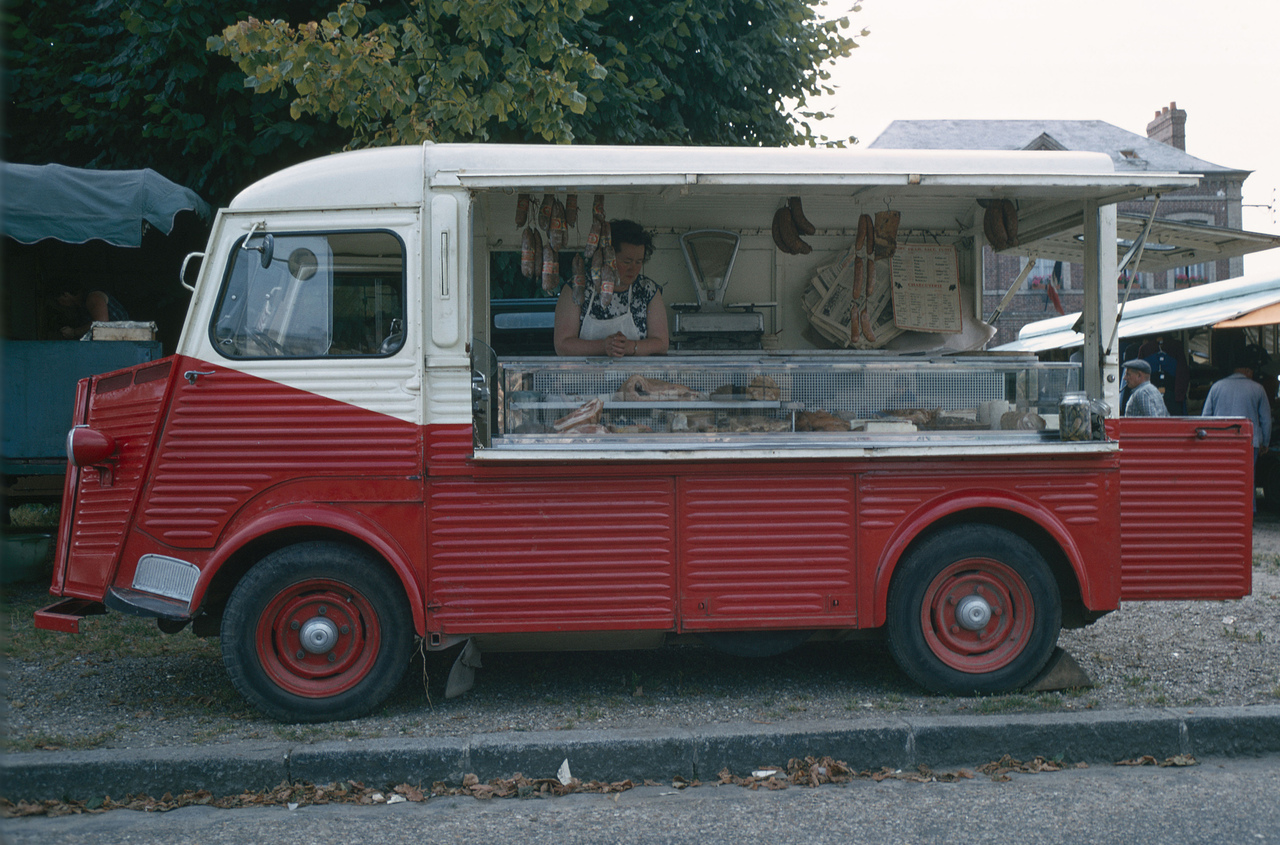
x: 1204, y: 654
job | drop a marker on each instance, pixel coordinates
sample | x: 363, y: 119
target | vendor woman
x: 634, y: 323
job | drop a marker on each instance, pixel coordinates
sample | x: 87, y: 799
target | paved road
x: 1222, y: 800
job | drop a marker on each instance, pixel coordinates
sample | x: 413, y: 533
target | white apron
x: 593, y: 328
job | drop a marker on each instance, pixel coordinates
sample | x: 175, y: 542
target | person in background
x: 84, y: 309
x: 634, y: 323
x: 1144, y: 399
x: 1238, y: 395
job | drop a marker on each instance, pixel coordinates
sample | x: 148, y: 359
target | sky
x: 1119, y: 61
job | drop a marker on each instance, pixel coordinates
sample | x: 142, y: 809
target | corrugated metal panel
x: 1078, y: 489
x: 551, y: 555
x: 230, y: 436
x: 449, y: 447
x: 767, y: 551
x: 1186, y: 508
x: 127, y: 406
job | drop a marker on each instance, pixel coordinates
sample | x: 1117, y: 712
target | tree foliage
x: 649, y: 71
x: 130, y: 84
x: 140, y: 83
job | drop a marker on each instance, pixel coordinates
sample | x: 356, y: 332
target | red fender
x: 1098, y: 593
x: 309, y: 515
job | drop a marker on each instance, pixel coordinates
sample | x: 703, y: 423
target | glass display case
x: 730, y: 398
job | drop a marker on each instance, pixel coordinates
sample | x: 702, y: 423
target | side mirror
x: 268, y: 250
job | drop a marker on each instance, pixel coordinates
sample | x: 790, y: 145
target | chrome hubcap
x: 318, y: 635
x: 973, y: 613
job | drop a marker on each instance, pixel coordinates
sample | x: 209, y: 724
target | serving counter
x: 718, y: 402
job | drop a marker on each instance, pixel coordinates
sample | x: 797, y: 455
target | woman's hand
x: 618, y: 345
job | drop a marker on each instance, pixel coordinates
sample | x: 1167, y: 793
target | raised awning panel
x: 1203, y: 305
x: 1171, y: 244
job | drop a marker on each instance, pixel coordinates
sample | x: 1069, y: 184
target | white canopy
x: 1203, y: 305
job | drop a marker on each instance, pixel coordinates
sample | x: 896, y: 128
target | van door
x: 1186, y: 507
x: 301, y: 368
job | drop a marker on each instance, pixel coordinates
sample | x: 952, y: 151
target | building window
x: 1047, y: 272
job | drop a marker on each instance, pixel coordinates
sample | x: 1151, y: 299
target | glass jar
x: 1074, y: 416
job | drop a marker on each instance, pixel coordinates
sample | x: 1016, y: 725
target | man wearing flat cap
x: 1144, y: 398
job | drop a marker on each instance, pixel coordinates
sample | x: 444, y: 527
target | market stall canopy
x: 1204, y: 305
x: 1171, y: 244
x: 75, y: 205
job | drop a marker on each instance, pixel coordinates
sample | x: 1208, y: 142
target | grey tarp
x: 75, y: 205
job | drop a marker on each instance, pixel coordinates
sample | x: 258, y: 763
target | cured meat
x: 699, y: 421
x: 586, y: 413
x: 886, y: 233
x: 571, y: 210
x: 587, y: 428
x: 820, y: 421
x: 593, y: 238
x: 855, y: 325
x: 597, y: 206
x: 550, y: 269
x: 544, y: 213
x: 758, y: 424
x: 528, y: 256
x: 764, y: 389
x: 993, y: 227
x: 859, y: 281
x: 864, y: 232
x: 641, y: 389
x: 1009, y: 217
x: 609, y: 268
x: 579, y: 278
x: 866, y: 328
x: 630, y: 428
x: 785, y: 235
x: 869, y: 274
x: 802, y: 224
x: 778, y: 240
x: 522, y: 210
x: 597, y: 270
x: 558, y: 234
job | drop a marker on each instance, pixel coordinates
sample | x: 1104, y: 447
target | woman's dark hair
x: 631, y: 232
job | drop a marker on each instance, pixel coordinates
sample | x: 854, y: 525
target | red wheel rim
x: 953, y: 607
x: 318, y: 638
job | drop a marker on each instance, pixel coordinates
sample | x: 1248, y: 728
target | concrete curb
x: 868, y: 743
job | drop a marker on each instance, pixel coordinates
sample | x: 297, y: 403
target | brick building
x: 1215, y: 202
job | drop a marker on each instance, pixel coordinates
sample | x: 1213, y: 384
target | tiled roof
x: 1128, y: 150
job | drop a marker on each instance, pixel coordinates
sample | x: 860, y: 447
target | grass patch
x: 1236, y: 635
x: 58, y: 742
x: 1267, y: 563
x: 1006, y: 704
x: 102, y: 638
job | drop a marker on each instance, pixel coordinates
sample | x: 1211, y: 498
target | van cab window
x: 313, y: 295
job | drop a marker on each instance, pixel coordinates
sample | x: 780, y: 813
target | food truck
x: 342, y: 459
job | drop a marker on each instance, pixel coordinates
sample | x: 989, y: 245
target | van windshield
x: 312, y: 295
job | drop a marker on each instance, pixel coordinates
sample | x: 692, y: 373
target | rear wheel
x: 974, y: 609
x: 317, y: 632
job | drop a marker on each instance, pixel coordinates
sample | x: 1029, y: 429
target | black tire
x: 317, y: 632
x: 937, y: 601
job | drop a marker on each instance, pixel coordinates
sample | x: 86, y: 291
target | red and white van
x: 336, y: 462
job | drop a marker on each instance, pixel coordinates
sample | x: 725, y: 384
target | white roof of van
x: 398, y: 175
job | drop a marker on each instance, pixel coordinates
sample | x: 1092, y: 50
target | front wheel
x: 317, y: 632
x: 974, y: 609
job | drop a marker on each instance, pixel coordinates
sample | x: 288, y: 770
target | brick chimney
x: 1169, y: 127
